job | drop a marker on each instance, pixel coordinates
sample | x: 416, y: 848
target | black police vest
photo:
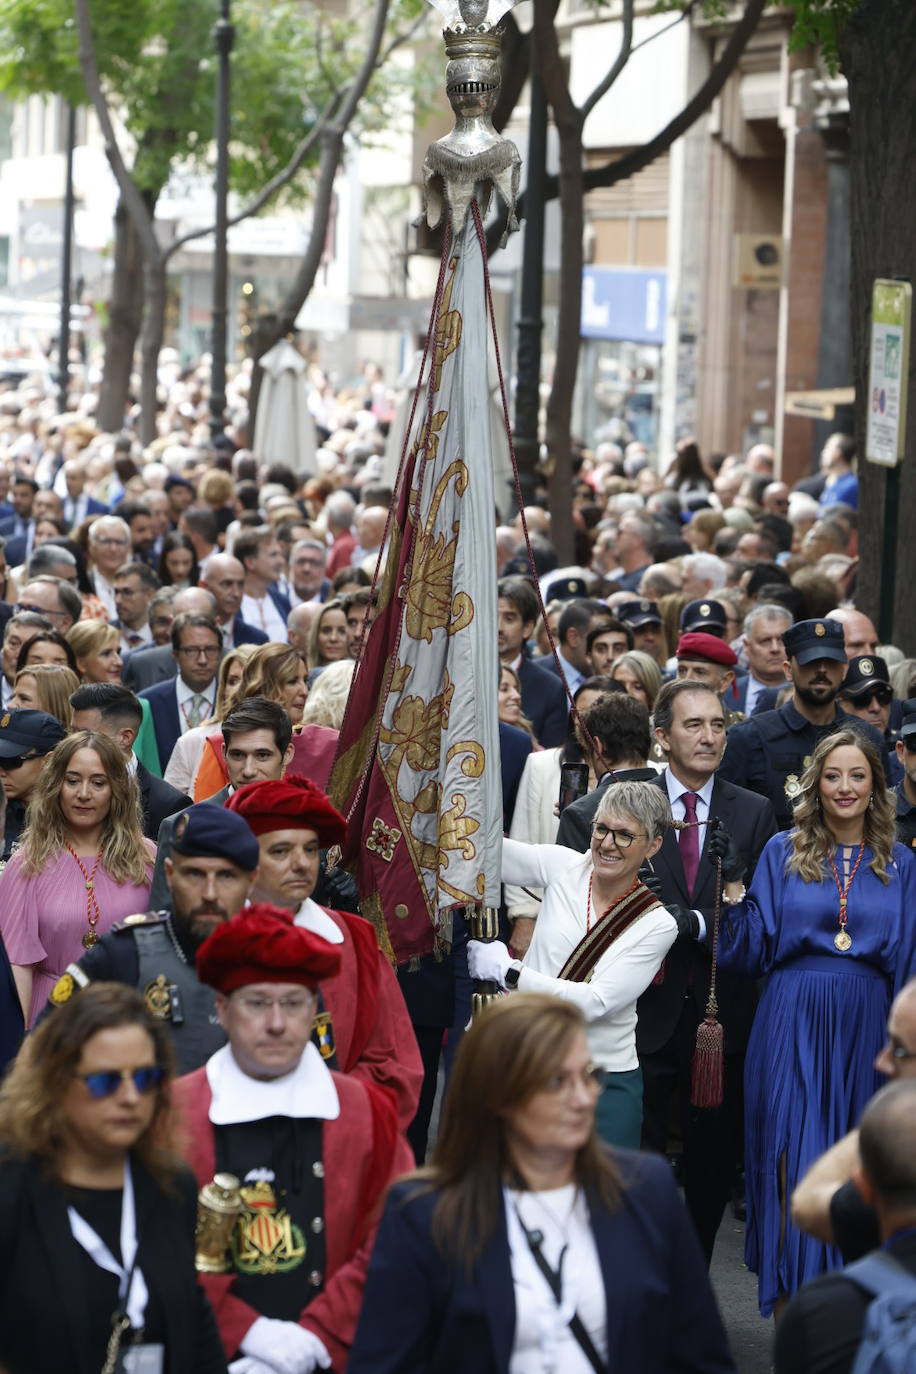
x: 174, y: 994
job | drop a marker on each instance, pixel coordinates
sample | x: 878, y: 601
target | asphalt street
x: 749, y: 1335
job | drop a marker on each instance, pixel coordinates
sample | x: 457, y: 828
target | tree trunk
x: 877, y: 53
x: 151, y: 344
x: 558, y: 428
x: 125, y: 317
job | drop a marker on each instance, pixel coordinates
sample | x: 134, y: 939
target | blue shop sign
x: 624, y: 303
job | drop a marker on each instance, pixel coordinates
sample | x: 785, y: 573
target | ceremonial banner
x: 417, y: 773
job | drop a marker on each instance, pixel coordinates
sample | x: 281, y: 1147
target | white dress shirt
x: 261, y: 611
x: 676, y: 792
x: 608, y: 1000
x: 184, y: 694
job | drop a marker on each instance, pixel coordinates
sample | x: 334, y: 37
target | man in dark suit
x: 154, y: 663
x: 224, y: 579
x: 189, y: 700
x: 19, y: 529
x: 690, y: 729
x: 764, y: 626
x: 114, y: 711
x: 543, y: 695
x: 578, y: 619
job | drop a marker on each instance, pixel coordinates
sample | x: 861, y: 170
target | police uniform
x: 24, y: 733
x: 906, y: 812
x: 769, y: 753
x: 152, y: 951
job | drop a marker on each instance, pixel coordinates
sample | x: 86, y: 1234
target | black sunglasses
x: 106, y: 1082
x: 10, y: 765
x: 883, y: 695
x: 909, y: 743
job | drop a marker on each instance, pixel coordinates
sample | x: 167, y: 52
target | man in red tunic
x: 313, y: 1151
x: 364, y: 1019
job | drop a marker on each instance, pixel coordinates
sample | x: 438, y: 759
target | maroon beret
x: 702, y: 648
x: 262, y: 945
x: 292, y: 803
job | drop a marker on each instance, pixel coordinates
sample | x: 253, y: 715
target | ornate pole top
x: 473, y: 158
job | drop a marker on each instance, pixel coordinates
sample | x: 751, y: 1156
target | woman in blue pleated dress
x: 830, y: 922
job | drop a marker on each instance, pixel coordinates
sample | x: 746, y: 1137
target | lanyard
x: 131, y: 1283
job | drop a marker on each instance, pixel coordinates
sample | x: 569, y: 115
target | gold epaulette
x: 140, y: 918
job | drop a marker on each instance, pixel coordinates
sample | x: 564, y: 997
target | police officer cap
x: 865, y: 672
x: 566, y: 589
x: 28, y: 732
x: 704, y: 615
x: 809, y: 640
x: 208, y: 831
x: 638, y: 613
x: 908, y: 726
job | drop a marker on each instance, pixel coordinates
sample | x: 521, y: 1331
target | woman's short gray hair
x: 642, y: 802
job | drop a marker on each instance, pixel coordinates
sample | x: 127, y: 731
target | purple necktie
x: 690, y: 840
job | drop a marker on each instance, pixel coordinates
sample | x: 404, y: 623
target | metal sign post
x: 888, y: 374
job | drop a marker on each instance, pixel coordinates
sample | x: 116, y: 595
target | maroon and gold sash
x: 587, y: 954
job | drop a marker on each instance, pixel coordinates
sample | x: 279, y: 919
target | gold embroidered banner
x: 417, y: 772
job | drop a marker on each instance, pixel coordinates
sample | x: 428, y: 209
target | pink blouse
x: 43, y: 918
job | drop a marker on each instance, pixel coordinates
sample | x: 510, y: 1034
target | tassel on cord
x: 707, y: 1080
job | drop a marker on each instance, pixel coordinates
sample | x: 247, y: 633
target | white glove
x: 286, y: 1347
x: 488, y: 961
x: 247, y: 1366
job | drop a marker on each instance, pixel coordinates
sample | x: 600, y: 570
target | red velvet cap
x: 705, y: 649
x: 262, y: 945
x: 292, y: 803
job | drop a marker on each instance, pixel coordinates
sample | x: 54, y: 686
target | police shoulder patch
x: 140, y: 918
x: 63, y: 989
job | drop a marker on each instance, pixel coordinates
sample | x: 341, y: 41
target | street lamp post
x: 530, y: 324
x: 63, y: 348
x: 224, y: 38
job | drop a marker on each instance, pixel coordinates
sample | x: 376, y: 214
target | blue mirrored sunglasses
x: 106, y: 1082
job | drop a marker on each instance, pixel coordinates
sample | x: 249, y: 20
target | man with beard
x: 210, y: 873
x: 769, y: 752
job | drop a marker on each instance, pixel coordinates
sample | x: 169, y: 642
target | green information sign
x: 889, y: 359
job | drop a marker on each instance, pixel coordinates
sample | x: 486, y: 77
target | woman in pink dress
x: 82, y: 864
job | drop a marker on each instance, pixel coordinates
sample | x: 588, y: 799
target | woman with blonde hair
x: 97, y: 647
x: 189, y: 747
x: 640, y: 677
x: 532, y: 1245
x: 46, y: 687
x: 88, y: 1154
x: 327, y: 700
x: 82, y: 864
x: 828, y: 923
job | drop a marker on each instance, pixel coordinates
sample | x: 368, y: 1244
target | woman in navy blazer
x: 526, y: 1245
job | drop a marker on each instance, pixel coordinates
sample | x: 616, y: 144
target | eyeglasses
x: 110, y: 543
x: 262, y: 1006
x: 591, y: 1077
x: 11, y: 765
x: 909, y: 743
x: 200, y: 651
x: 899, y: 1053
x: 38, y: 610
x: 621, y: 838
x: 106, y: 1082
x: 127, y: 591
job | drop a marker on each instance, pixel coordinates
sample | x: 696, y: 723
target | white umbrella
x: 285, y: 431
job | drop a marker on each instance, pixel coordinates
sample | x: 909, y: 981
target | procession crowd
x: 708, y: 769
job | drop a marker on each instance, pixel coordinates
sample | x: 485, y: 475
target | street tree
x: 151, y: 70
